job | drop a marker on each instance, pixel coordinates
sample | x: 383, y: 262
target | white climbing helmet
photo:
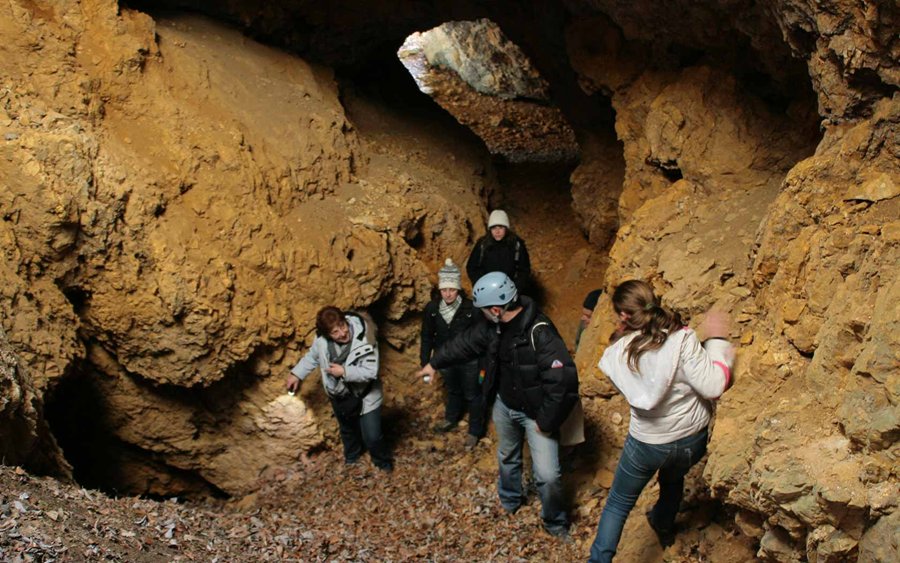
x: 494, y: 289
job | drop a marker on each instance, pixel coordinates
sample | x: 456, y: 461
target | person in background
x: 444, y: 318
x: 669, y: 379
x: 529, y: 369
x: 587, y: 310
x: 346, y: 353
x: 571, y: 434
x: 501, y: 250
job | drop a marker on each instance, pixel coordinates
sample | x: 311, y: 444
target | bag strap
x: 365, y: 390
x: 534, y: 326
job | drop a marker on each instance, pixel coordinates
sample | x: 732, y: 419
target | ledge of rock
x: 478, y: 75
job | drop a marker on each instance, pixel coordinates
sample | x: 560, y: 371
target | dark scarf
x: 336, y: 357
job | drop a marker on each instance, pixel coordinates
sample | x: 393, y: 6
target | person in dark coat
x: 445, y: 317
x: 587, y: 311
x: 501, y: 250
x: 529, y: 369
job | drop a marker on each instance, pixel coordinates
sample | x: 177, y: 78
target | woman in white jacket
x: 669, y: 379
x: 346, y: 353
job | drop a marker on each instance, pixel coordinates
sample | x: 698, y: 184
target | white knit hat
x: 449, y: 277
x: 498, y: 218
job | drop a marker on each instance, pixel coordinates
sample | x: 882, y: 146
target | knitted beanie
x: 449, y: 277
x: 498, y: 218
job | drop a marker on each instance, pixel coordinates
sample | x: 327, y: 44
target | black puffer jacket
x: 436, y: 331
x: 509, y: 256
x: 547, y: 393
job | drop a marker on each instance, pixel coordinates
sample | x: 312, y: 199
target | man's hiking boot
x: 471, y: 441
x: 562, y: 534
x: 444, y: 426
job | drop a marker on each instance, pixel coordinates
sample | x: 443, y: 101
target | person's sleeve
x: 465, y: 346
x: 578, y: 334
x: 559, y: 379
x: 427, y: 338
x: 364, y: 368
x: 473, y: 269
x: 707, y: 367
x: 523, y: 271
x: 307, y: 363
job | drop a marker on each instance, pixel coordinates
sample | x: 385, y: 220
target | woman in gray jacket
x: 346, y: 354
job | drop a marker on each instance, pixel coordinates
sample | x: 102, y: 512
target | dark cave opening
x: 75, y: 411
x: 78, y: 297
x: 79, y: 419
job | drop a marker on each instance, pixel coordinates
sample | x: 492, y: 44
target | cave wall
x: 731, y: 199
x: 174, y: 185
x: 181, y: 201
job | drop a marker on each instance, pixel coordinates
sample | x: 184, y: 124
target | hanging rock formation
x: 474, y: 72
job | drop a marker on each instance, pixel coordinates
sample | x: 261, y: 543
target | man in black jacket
x: 530, y: 370
x: 445, y: 317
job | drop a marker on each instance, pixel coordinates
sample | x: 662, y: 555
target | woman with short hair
x: 346, y: 353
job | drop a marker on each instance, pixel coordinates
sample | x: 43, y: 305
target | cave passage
x: 565, y: 265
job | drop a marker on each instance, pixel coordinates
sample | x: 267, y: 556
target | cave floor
x: 438, y: 504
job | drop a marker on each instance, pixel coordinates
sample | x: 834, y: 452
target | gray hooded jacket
x: 360, y: 369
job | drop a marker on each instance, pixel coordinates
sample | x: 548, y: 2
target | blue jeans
x: 637, y: 465
x: 362, y: 431
x: 464, y: 394
x: 513, y: 427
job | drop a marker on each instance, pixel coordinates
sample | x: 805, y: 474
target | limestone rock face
x: 880, y: 543
x: 183, y: 200
x: 724, y: 203
x: 596, y: 187
x: 851, y: 52
x: 824, y: 355
x: 26, y: 439
x: 485, y: 81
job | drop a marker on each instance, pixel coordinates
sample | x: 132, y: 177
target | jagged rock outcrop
x: 596, y: 187
x: 183, y: 201
x: 26, y: 438
x: 720, y: 207
x: 485, y: 81
x: 821, y: 348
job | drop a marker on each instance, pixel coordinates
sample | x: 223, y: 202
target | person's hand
x: 335, y: 370
x: 292, y: 383
x: 715, y: 325
x: 426, y: 373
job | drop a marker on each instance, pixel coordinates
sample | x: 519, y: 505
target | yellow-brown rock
x: 184, y: 200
